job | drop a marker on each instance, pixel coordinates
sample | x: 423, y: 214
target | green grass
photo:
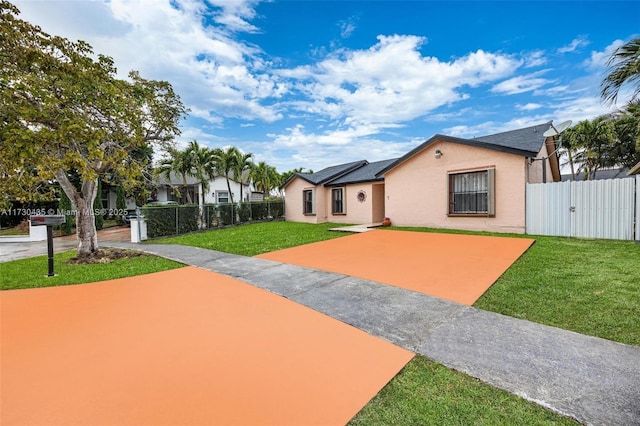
x: 32, y: 272
x: 14, y: 231
x: 427, y: 393
x: 257, y: 238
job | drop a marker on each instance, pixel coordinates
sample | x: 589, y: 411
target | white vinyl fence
x: 588, y: 209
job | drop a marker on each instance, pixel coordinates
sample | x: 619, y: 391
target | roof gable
x: 526, y: 142
x: 327, y: 174
x: 367, y: 173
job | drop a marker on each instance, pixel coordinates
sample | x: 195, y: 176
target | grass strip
x: 32, y: 272
x: 427, y: 393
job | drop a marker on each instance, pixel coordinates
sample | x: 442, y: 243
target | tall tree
x: 265, y: 177
x: 594, y: 143
x: 624, y: 68
x: 61, y: 110
x: 181, y: 163
x: 243, y: 163
x: 226, y: 161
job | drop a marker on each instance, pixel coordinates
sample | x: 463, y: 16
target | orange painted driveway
x: 182, y: 347
x: 450, y: 266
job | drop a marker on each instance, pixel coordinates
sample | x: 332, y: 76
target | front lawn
x: 257, y: 238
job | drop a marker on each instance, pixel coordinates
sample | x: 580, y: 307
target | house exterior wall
x: 416, y: 191
x: 534, y: 169
x: 368, y: 211
x: 293, y: 208
x: 357, y: 212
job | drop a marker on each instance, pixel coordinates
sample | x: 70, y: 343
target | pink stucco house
x: 445, y: 182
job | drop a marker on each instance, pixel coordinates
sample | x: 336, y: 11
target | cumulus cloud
x: 391, y: 81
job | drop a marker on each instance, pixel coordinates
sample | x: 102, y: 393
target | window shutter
x: 491, y: 192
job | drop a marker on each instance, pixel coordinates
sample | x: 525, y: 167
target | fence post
x: 637, y: 219
x: 177, y: 220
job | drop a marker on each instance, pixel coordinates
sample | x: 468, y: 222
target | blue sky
x: 316, y: 83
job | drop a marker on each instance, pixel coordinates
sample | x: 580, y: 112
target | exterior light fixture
x: 438, y: 154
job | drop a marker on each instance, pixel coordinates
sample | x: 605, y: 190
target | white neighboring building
x: 218, y: 192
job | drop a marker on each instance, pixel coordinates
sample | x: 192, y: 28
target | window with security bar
x: 472, y: 193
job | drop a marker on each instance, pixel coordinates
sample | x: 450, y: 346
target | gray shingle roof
x: 526, y: 142
x: 618, y: 173
x: 330, y: 173
x: 529, y: 139
x: 366, y: 173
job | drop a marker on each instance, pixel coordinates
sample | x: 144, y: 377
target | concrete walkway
x: 593, y: 380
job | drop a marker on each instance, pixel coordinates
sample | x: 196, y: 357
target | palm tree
x: 593, y: 142
x: 226, y: 160
x: 265, y: 177
x: 243, y: 162
x: 181, y: 163
x: 624, y: 68
x: 204, y: 165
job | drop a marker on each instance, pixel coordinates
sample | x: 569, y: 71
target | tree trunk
x: 229, y: 188
x: 82, y: 204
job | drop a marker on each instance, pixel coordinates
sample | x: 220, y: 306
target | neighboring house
x: 446, y: 182
x: 617, y: 173
x: 635, y: 170
x: 173, y: 190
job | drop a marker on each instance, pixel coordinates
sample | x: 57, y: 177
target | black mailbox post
x: 49, y: 221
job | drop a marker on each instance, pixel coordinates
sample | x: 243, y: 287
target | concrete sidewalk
x: 593, y: 380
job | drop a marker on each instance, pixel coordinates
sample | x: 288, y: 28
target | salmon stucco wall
x: 293, y: 205
x: 369, y: 210
x: 416, y: 191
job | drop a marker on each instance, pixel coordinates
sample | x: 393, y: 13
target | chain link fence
x: 162, y: 221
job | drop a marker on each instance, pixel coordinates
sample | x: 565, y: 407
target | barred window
x: 472, y: 193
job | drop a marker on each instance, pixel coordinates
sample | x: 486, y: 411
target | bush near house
x: 170, y: 220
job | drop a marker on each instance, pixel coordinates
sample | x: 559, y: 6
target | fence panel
x: 548, y: 209
x: 603, y: 209
x: 587, y: 209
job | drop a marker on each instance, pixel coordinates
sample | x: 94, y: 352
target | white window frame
x: 220, y: 194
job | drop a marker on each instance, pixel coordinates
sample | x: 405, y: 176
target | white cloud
x: 216, y: 75
x: 575, y: 44
x: 535, y: 59
x: 491, y: 127
x: 597, y: 62
x: 521, y: 84
x: 391, y: 81
x: 529, y: 106
x: 347, y: 27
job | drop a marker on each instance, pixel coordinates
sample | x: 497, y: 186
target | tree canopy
x: 624, y: 69
x: 64, y: 108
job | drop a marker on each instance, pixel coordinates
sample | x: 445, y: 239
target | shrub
x: 170, y: 220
